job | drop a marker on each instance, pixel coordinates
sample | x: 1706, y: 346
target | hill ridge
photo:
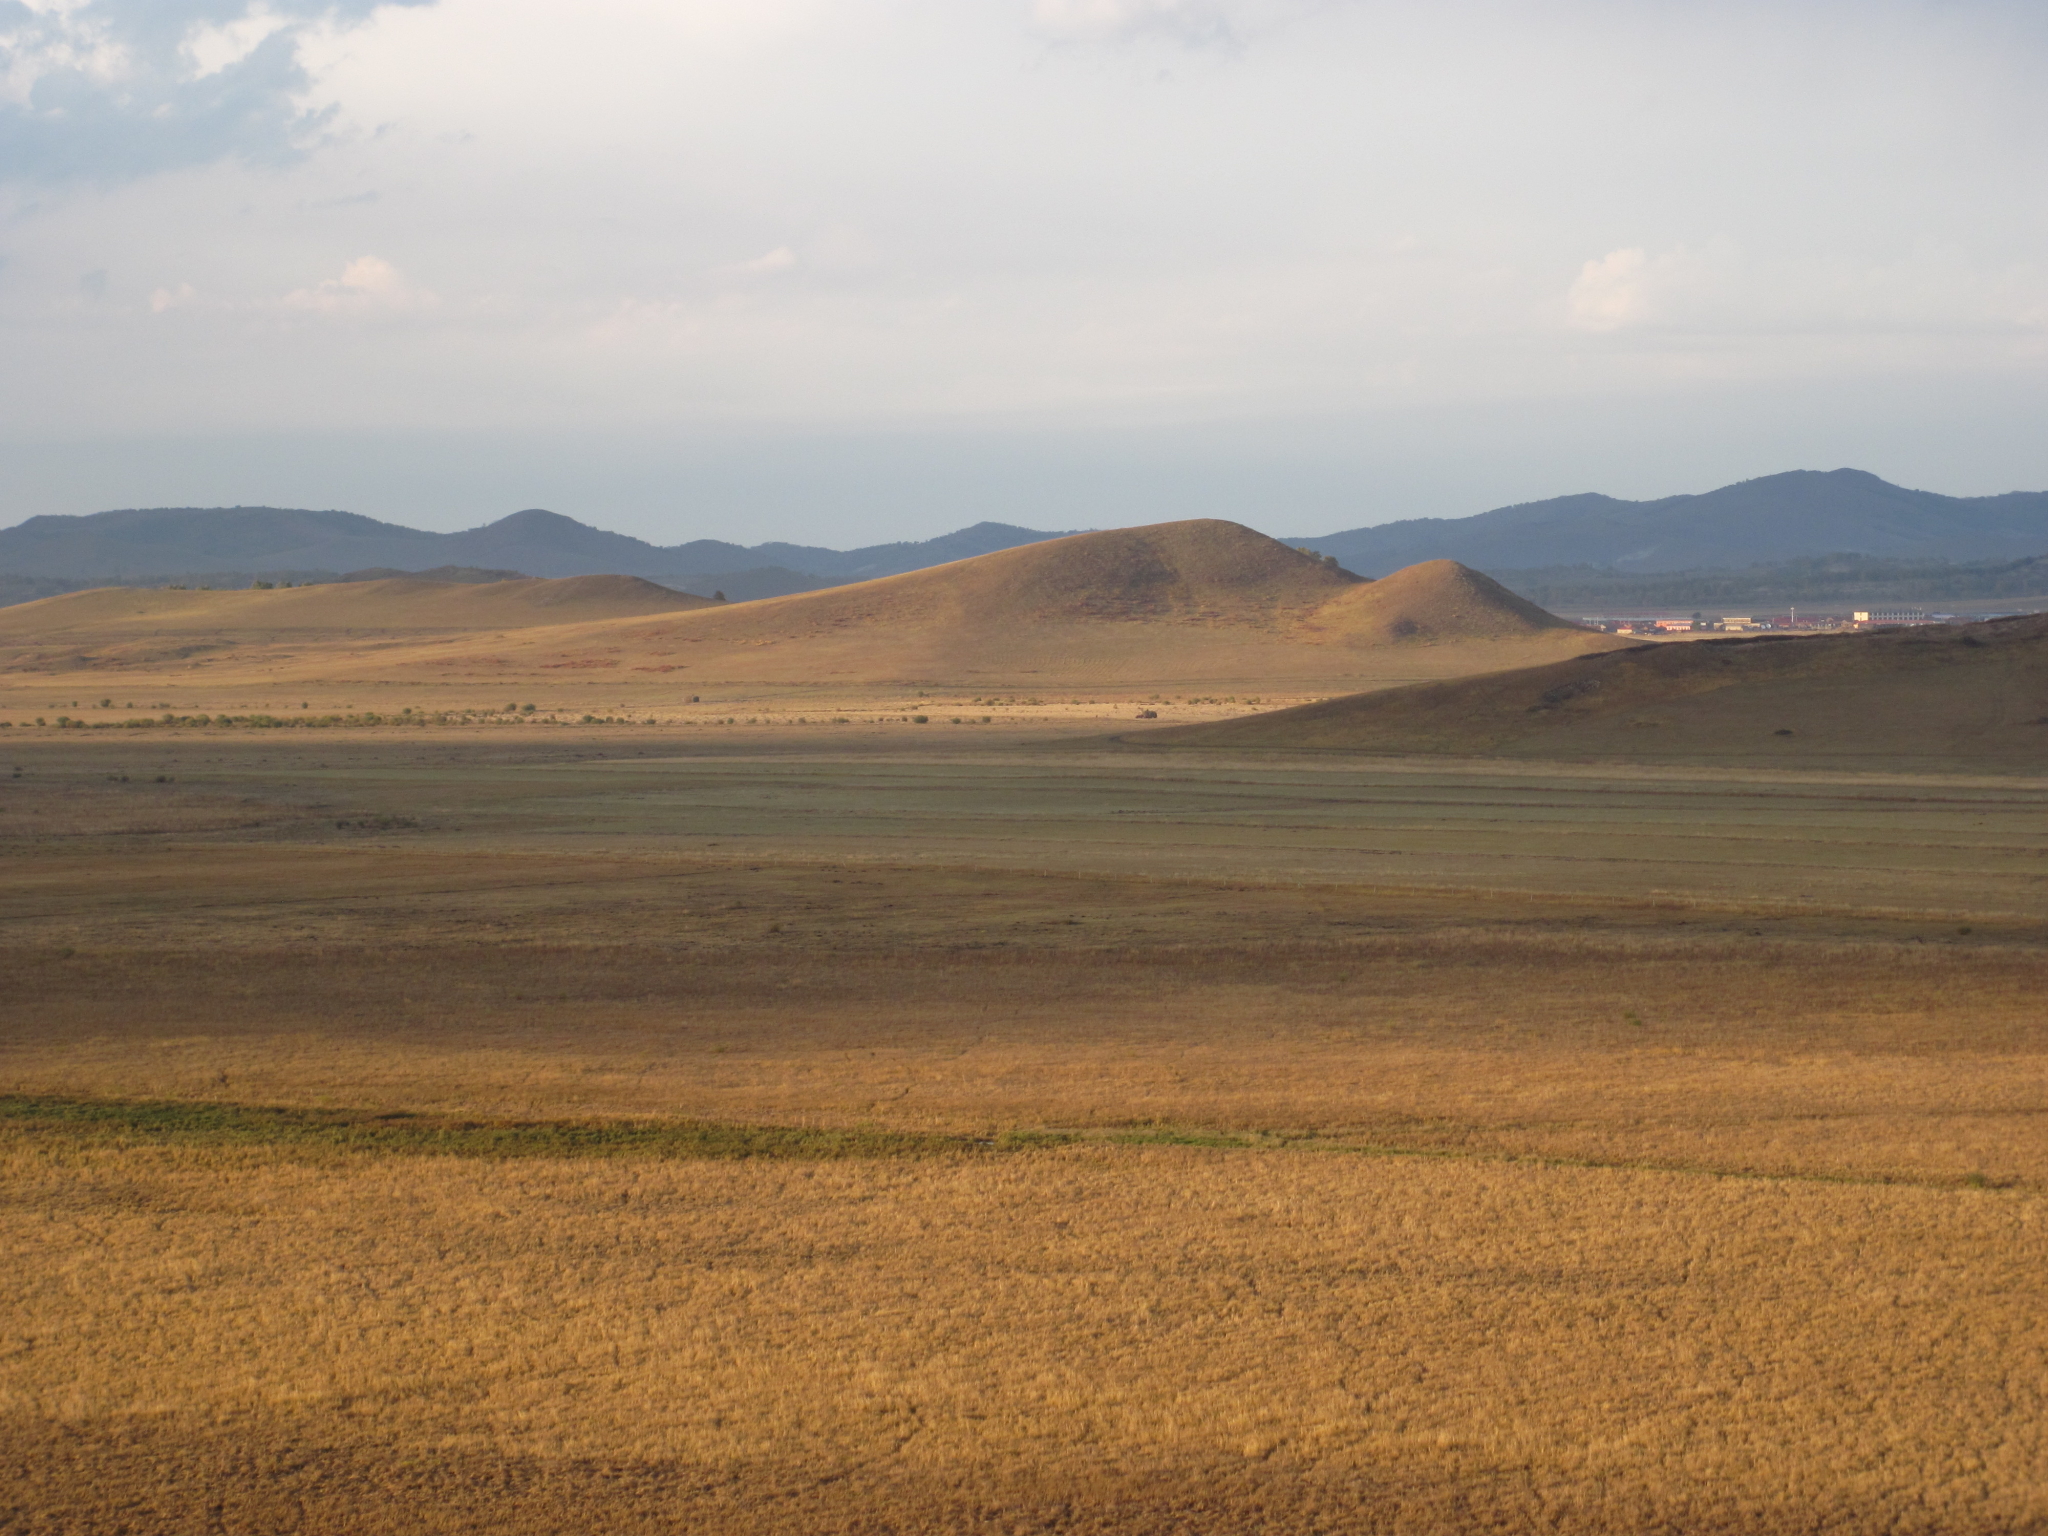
x: 1955, y: 691
x: 1201, y: 600
x: 1196, y: 599
x: 164, y: 543
x: 1784, y: 516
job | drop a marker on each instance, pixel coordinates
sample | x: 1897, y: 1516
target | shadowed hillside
x: 1199, y: 601
x: 1957, y: 694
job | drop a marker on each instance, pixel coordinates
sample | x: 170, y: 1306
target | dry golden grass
x: 1312, y: 1199
x: 1202, y: 604
x: 1201, y: 607
x: 1935, y: 696
x: 1085, y: 1339
x: 925, y: 1002
x: 115, y: 618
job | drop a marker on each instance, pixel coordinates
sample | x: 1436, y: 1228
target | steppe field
x: 958, y: 1108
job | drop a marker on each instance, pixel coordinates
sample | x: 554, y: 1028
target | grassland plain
x: 434, y: 1130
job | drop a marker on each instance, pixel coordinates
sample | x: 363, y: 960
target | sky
x: 841, y: 271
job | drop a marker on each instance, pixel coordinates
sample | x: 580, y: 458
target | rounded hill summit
x: 1200, y: 602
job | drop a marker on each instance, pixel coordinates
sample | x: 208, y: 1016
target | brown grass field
x: 1969, y: 696
x: 1202, y: 607
x: 835, y: 1123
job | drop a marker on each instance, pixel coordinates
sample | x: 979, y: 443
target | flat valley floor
x: 625, y: 1129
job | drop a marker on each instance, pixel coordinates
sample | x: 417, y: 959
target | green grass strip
x: 197, y: 1123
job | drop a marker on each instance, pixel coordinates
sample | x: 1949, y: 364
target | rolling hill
x: 1774, y: 518
x: 1959, y: 694
x: 1199, y: 602
x: 125, y: 628
x: 1438, y: 601
x: 1202, y: 603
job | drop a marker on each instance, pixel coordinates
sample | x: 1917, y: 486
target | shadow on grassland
x: 296, y: 1132
x: 278, y: 1128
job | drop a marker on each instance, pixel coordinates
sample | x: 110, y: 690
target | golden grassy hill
x: 1174, y: 604
x: 1437, y: 601
x: 126, y: 628
x: 1958, y: 694
x: 396, y: 603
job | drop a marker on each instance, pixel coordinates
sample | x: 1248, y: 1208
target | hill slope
x: 1777, y: 517
x: 1182, y: 603
x: 1438, y: 600
x: 127, y: 627
x: 1962, y: 694
x: 1201, y: 605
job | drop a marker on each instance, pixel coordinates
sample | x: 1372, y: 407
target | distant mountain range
x: 1793, y: 537
x: 157, y: 543
x: 1812, y: 580
x: 1777, y: 518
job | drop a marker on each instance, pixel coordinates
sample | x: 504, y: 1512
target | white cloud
x: 1682, y: 289
x: 1611, y: 291
x: 1082, y: 211
x: 366, y: 285
x: 107, y: 91
x: 215, y: 46
x: 1097, y: 20
x: 781, y: 259
x: 1722, y: 292
x: 1193, y: 22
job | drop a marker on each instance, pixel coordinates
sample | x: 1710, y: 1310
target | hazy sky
x: 844, y: 270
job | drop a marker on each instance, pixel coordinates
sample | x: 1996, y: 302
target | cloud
x: 1612, y: 292
x: 366, y: 285
x: 1095, y: 215
x: 107, y: 91
x: 1720, y: 290
x: 1712, y: 287
x: 781, y: 259
x: 1195, y: 23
